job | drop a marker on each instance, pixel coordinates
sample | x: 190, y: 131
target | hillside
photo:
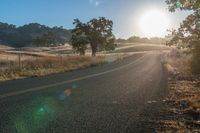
x: 33, y: 34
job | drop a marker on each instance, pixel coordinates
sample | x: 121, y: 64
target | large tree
x: 97, y: 32
x: 188, y: 34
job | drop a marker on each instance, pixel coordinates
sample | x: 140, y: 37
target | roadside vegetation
x: 183, y: 67
x: 181, y: 112
x: 188, y: 35
x: 34, y: 66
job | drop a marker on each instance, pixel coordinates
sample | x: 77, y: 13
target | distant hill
x: 33, y: 34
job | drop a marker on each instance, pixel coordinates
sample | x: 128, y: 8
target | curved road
x: 121, y: 97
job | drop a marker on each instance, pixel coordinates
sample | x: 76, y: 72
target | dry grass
x: 33, y: 66
x: 184, y: 98
x: 184, y: 105
x: 179, y: 61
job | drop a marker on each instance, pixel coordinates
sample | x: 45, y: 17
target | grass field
x: 31, y: 62
x: 32, y: 66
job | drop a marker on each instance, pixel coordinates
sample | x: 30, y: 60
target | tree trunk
x: 19, y: 58
x: 82, y: 53
x: 94, y: 49
x: 93, y: 53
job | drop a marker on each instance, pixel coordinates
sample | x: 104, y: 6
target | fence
x: 27, y: 61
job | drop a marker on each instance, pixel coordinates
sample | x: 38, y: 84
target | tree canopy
x: 188, y: 34
x: 183, y: 5
x: 33, y: 34
x: 96, y: 32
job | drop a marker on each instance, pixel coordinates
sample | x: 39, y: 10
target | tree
x: 47, y: 40
x: 79, y: 39
x: 98, y: 32
x: 183, y: 5
x: 188, y: 34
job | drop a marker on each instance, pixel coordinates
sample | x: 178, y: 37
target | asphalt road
x: 120, y: 97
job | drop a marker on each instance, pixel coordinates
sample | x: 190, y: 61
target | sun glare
x: 154, y: 23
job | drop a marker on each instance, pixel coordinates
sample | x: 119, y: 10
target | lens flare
x: 154, y: 23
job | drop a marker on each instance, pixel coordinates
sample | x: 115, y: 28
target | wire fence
x: 24, y: 61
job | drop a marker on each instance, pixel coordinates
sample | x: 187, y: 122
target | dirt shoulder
x: 181, y: 109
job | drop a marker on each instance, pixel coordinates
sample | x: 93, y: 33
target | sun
x: 154, y: 23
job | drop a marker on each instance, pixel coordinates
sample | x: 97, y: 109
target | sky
x: 124, y: 13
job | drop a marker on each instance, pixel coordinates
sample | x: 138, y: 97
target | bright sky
x: 127, y: 15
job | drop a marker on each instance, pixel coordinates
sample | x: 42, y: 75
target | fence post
x: 19, y: 58
x: 61, y: 60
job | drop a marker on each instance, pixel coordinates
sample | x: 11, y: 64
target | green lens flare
x: 41, y: 110
x: 36, y: 115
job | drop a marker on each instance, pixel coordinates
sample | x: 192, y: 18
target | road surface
x: 120, y: 97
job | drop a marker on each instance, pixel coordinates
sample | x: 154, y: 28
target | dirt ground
x: 181, y: 110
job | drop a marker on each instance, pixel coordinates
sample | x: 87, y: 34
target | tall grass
x: 31, y: 67
x: 179, y: 61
